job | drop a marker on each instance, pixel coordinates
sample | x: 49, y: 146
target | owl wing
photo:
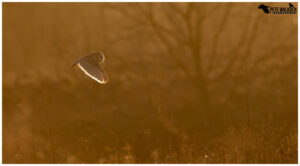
x: 93, y: 70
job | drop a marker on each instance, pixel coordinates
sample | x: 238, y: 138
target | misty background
x: 189, y: 83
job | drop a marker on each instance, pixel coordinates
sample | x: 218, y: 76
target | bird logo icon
x: 90, y: 65
x: 264, y: 8
x: 291, y: 5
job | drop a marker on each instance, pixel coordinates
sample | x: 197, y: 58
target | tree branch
x: 166, y: 42
x: 218, y: 35
x: 235, y: 51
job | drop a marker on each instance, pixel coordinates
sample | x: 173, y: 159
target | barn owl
x: 90, y: 65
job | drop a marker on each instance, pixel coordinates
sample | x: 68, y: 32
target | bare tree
x: 178, y: 27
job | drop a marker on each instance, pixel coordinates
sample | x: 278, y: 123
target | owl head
x: 98, y: 56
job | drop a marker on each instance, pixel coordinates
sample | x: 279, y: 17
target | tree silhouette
x: 179, y: 29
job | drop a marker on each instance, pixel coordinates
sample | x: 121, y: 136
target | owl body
x: 90, y: 66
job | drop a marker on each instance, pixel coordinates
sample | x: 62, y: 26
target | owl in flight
x: 91, y: 67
